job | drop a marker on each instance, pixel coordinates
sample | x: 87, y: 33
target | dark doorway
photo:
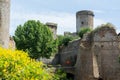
x: 100, y: 79
x: 70, y: 76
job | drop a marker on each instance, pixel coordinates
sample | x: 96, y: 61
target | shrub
x: 16, y: 65
x: 83, y: 31
x: 64, y: 40
x: 60, y: 75
x: 107, y: 25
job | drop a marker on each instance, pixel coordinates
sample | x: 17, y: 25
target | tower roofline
x: 85, y: 12
x: 51, y: 24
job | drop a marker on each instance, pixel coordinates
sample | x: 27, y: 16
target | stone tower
x: 4, y: 22
x: 53, y: 28
x: 84, y: 18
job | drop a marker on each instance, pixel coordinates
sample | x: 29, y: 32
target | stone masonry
x: 4, y: 22
x: 67, y: 56
x: 53, y: 28
x: 84, y: 18
x: 96, y: 55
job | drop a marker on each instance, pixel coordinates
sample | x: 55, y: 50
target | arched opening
x: 100, y: 79
x: 70, y: 76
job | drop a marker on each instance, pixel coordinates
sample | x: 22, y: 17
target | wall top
x: 51, y: 24
x: 85, y: 12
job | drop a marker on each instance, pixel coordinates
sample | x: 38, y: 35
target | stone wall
x: 99, y: 56
x: 106, y: 51
x: 94, y: 57
x: 67, y: 56
x: 84, y: 65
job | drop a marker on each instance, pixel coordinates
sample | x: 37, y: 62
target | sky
x: 63, y: 12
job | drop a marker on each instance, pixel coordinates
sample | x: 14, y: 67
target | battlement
x: 85, y: 12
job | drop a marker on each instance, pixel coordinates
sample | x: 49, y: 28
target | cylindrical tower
x: 53, y: 28
x: 4, y: 22
x: 84, y: 18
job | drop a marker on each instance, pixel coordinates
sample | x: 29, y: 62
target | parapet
x: 85, y: 12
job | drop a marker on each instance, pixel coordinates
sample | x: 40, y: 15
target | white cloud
x: 98, y: 11
x: 65, y: 21
x: 98, y: 22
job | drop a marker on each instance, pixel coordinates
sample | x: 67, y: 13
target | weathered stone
x: 4, y: 22
x: 96, y: 54
x: 84, y: 18
x: 53, y: 28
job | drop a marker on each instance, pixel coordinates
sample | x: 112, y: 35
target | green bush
x: 61, y: 75
x: 107, y: 25
x: 64, y: 40
x: 83, y: 31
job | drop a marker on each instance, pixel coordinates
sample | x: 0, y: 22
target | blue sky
x: 63, y: 12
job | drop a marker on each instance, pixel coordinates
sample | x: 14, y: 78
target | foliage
x: 61, y: 75
x: 35, y: 38
x: 16, y: 65
x: 83, y: 31
x: 64, y: 40
x: 107, y: 25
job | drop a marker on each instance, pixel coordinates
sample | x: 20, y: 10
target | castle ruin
x: 95, y: 56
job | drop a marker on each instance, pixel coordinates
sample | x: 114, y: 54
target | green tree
x: 83, y: 31
x: 35, y: 38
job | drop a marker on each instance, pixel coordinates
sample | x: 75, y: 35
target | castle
x: 94, y: 57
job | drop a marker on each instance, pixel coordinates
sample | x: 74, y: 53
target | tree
x: 83, y: 31
x: 35, y: 38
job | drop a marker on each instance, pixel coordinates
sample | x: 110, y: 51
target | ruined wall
x: 84, y: 65
x: 68, y: 54
x: 106, y: 51
x: 4, y: 22
x: 99, y: 56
